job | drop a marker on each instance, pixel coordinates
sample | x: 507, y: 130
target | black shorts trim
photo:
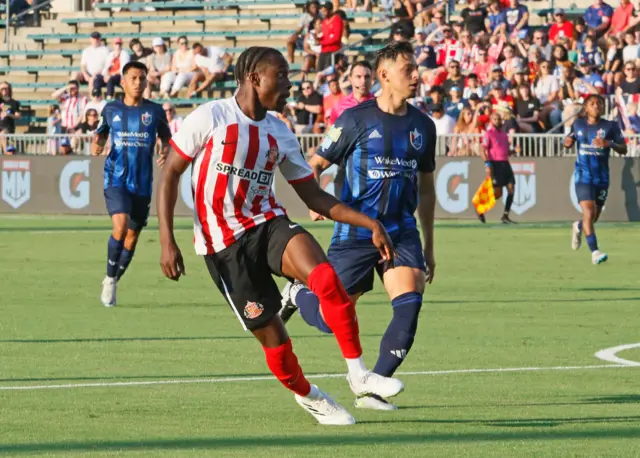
x: 243, y: 272
x: 502, y: 174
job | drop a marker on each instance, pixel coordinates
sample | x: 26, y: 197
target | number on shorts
x: 603, y: 195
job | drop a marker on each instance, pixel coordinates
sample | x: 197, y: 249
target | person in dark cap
x: 497, y: 76
x: 65, y: 147
x: 93, y: 61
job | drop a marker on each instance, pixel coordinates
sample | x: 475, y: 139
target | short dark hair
x: 197, y: 44
x: 74, y: 83
x: 250, y: 60
x: 361, y: 63
x: 327, y: 5
x: 594, y: 96
x: 134, y: 64
x: 391, y: 52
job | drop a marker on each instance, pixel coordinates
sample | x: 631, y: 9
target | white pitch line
x: 313, y: 376
x: 609, y: 354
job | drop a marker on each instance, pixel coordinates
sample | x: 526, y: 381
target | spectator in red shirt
x: 622, y: 18
x: 561, y: 28
x: 331, y: 39
x: 330, y: 100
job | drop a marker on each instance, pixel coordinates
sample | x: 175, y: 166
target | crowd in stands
x: 484, y: 58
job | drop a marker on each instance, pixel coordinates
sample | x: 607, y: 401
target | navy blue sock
x: 114, y: 249
x: 592, y: 241
x: 309, y: 306
x: 398, y: 338
x: 580, y: 225
x: 125, y: 260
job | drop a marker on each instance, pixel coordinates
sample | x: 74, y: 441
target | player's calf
x: 337, y: 309
x: 399, y: 336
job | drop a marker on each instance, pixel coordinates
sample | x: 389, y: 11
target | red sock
x: 284, y: 365
x: 337, y: 309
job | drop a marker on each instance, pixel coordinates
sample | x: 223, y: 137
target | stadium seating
x: 43, y: 59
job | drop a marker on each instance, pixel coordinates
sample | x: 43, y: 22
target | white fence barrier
x: 543, y: 145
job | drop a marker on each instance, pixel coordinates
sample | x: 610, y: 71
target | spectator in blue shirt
x: 455, y: 104
x: 598, y: 17
x: 496, y: 21
x: 517, y: 18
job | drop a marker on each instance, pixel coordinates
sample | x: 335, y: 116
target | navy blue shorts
x: 120, y: 200
x: 355, y: 261
x: 598, y: 193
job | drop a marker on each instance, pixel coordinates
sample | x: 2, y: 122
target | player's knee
x: 406, y: 309
x: 324, y: 282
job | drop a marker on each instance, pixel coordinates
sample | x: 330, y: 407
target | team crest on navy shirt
x: 600, y: 133
x: 147, y: 118
x: 416, y: 139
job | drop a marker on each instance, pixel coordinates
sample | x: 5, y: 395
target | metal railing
x: 468, y: 145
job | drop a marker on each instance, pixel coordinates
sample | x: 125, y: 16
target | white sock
x: 355, y: 365
x: 314, y: 393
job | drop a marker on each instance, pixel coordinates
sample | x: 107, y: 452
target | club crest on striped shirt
x: 253, y: 310
x: 147, y: 118
x: 415, y: 138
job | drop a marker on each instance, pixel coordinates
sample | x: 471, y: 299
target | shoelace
x: 329, y: 401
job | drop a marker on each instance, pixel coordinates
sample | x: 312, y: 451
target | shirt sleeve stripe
x: 179, y: 151
x: 302, y: 180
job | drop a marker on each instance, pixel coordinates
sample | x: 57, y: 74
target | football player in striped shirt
x: 133, y: 123
x: 244, y: 233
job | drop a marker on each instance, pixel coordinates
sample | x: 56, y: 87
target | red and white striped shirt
x: 234, y: 160
x: 72, y: 110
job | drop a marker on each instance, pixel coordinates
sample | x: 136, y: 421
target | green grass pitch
x: 503, y: 297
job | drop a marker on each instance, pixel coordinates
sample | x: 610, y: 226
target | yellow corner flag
x: 484, y: 199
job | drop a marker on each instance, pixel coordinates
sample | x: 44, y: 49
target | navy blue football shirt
x: 382, y: 154
x: 592, y: 163
x: 133, y: 130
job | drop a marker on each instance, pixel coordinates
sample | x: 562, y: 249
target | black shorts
x: 243, y: 272
x: 501, y: 174
x: 324, y: 61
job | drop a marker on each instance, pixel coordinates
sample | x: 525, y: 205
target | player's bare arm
x: 569, y: 140
x: 98, y: 143
x: 328, y: 206
x: 318, y: 164
x: 171, y: 261
x: 164, y: 151
x: 426, y: 214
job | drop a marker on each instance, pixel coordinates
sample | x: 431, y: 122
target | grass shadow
x: 316, y: 440
x: 519, y: 422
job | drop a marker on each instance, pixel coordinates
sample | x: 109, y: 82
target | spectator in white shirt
x: 182, y: 69
x: 96, y: 103
x: 444, y: 123
x: 93, y: 62
x: 174, y: 121
x: 112, y: 72
x: 211, y: 64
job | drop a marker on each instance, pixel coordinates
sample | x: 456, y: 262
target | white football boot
x: 598, y: 257
x: 108, y: 296
x: 371, y: 383
x: 325, y: 409
x: 576, y: 236
x: 373, y: 402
